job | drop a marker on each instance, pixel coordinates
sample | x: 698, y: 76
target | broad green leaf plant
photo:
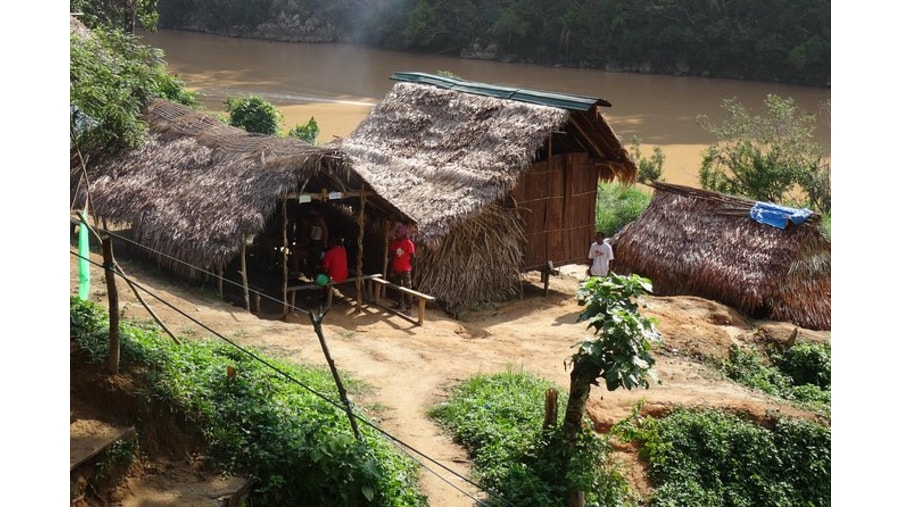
x: 620, y: 349
x: 619, y: 352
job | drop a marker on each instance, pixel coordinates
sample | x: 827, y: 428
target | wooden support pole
x: 285, y: 250
x: 387, y: 256
x: 361, y: 222
x: 317, y: 325
x: 222, y: 283
x: 108, y: 262
x: 244, y: 275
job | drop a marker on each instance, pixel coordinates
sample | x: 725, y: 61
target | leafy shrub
x: 253, y: 114
x: 806, y: 363
x: 802, y: 373
x: 714, y: 458
x: 617, y: 205
x: 262, y: 422
x: 499, y: 419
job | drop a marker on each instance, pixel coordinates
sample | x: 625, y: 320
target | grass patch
x: 714, y: 458
x: 499, y: 419
x: 259, y: 423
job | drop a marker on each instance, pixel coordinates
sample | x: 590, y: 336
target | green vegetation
x: 649, y: 169
x: 308, y: 132
x: 619, y: 204
x: 499, y: 419
x: 117, y: 15
x: 771, y: 158
x: 253, y: 114
x: 802, y: 373
x: 116, y: 459
x: 619, y: 353
x: 258, y: 422
x: 718, y: 459
x: 761, y: 40
x: 257, y: 115
x: 112, y: 77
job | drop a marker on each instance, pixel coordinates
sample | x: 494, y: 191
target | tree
x: 253, y: 114
x: 112, y: 76
x: 772, y: 158
x: 619, y: 353
x: 649, y: 169
x: 121, y: 15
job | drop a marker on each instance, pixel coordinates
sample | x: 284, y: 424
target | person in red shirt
x: 402, y: 251
x: 335, y: 261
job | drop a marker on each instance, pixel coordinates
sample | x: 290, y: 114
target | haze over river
x: 338, y: 84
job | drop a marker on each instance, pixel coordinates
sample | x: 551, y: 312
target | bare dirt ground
x: 410, y: 368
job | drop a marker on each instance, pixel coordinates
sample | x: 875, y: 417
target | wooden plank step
x: 88, y: 438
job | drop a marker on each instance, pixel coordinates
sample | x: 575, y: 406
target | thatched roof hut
x: 696, y: 242
x: 498, y: 180
x: 199, y: 190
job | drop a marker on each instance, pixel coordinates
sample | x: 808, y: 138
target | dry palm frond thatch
x: 696, y: 242
x: 199, y: 189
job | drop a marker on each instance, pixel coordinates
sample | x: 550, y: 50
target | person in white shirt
x: 600, y: 255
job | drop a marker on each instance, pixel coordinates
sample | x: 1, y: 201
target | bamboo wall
x: 558, y: 198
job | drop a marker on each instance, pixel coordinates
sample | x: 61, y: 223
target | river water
x: 339, y: 83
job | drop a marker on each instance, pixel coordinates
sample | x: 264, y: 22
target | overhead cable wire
x: 334, y: 403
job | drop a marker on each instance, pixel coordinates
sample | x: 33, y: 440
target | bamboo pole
x: 244, y: 275
x: 113, y: 359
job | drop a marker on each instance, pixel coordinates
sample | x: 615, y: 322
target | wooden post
x: 387, y: 257
x: 361, y: 222
x: 222, y: 283
x: 244, y: 274
x: 551, y: 408
x: 285, y: 250
x: 108, y: 263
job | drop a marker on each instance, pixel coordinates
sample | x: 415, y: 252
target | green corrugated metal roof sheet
x: 544, y: 98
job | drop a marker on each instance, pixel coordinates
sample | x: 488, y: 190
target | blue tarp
x: 778, y: 216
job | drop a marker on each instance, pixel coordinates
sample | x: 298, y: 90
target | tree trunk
x: 579, y: 391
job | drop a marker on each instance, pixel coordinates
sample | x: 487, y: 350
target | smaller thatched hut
x: 696, y: 242
x: 200, y: 193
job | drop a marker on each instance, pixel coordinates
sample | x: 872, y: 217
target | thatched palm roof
x: 198, y: 189
x: 443, y: 155
x: 702, y: 243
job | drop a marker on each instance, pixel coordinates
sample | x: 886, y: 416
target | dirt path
x: 411, y: 367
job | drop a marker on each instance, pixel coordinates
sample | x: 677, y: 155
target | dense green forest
x: 764, y: 40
